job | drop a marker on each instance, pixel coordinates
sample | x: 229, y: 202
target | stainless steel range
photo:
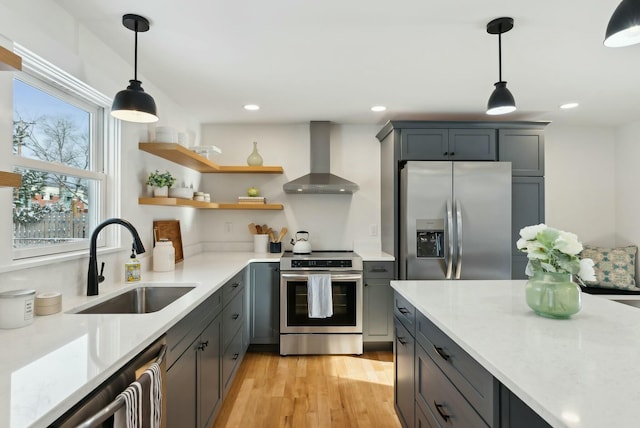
x: 340, y: 333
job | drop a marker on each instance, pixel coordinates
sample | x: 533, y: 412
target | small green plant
x: 157, y: 179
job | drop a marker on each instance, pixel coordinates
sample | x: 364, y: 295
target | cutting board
x: 169, y: 229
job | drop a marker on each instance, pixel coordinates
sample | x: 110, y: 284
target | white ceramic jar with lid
x: 16, y: 308
x: 164, y: 256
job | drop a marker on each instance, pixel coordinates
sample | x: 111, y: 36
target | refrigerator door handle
x: 458, y: 240
x: 449, y: 259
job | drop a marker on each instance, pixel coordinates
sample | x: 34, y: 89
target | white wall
x: 335, y: 222
x: 627, y: 173
x: 580, y: 194
x: 49, y: 31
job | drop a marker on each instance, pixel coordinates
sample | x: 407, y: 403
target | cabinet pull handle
x: 203, y: 345
x: 441, y: 352
x: 401, y: 340
x: 235, y: 316
x: 452, y: 154
x: 235, y: 284
x: 445, y: 153
x: 441, y: 412
x: 236, y: 355
x: 403, y: 310
x: 378, y: 269
x: 366, y: 285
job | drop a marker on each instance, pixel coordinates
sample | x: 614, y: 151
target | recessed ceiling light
x: 252, y: 107
x: 378, y: 108
x: 569, y: 105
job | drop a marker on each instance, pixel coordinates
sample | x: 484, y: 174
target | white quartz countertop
x: 48, y: 366
x: 583, y: 372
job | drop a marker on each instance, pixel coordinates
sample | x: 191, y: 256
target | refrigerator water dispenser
x: 430, y: 238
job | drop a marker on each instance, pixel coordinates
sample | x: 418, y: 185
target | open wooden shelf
x: 178, y: 202
x: 10, y: 179
x: 182, y: 156
x: 9, y: 61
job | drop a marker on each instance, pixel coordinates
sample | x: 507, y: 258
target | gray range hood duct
x: 320, y: 180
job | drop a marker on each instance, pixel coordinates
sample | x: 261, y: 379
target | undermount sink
x: 140, y: 300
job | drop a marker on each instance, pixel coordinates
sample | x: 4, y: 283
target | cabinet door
x: 264, y: 317
x: 472, y: 144
x: 424, y: 419
x: 181, y: 390
x: 378, y: 311
x: 424, y: 144
x: 524, y: 148
x: 209, y: 386
x: 527, y: 208
x: 403, y: 353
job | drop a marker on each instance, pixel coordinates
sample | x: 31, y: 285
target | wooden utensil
x: 271, y: 238
x: 252, y: 229
x: 282, y: 233
x: 258, y: 229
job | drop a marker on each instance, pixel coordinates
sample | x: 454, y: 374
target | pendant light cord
x: 135, y: 58
x: 499, y: 57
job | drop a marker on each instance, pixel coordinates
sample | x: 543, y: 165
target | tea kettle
x: 301, y: 245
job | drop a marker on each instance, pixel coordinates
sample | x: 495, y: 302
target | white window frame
x: 105, y: 158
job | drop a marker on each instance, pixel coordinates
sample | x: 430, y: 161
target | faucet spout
x: 92, y: 275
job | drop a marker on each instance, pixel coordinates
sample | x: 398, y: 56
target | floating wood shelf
x: 182, y: 156
x: 178, y: 202
x: 10, y: 179
x: 9, y: 61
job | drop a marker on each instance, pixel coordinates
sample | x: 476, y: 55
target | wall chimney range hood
x: 320, y: 180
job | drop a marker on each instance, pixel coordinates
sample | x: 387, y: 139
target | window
x: 62, y: 137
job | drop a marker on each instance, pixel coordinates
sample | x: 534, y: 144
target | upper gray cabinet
x: 524, y: 148
x: 449, y: 144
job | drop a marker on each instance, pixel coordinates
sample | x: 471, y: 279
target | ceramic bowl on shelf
x: 206, y: 151
x: 181, y: 192
x: 166, y: 134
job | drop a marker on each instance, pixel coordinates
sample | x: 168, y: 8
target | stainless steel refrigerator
x: 455, y: 220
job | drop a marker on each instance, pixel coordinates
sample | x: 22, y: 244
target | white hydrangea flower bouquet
x: 553, y: 250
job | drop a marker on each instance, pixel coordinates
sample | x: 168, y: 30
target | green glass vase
x: 553, y: 295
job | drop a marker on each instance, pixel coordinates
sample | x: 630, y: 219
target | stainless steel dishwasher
x: 99, y: 406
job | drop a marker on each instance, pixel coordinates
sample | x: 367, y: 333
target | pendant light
x: 624, y: 25
x: 134, y: 104
x: 501, y: 101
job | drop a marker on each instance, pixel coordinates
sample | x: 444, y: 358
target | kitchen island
x: 582, y: 372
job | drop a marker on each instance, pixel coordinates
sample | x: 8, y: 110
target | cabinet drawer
x: 474, y: 382
x: 378, y: 270
x: 436, y: 393
x: 230, y: 359
x: 232, y: 287
x: 232, y: 317
x: 405, y: 312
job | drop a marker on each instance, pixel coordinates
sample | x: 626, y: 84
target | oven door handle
x: 334, y: 276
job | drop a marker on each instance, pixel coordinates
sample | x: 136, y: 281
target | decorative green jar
x: 553, y: 295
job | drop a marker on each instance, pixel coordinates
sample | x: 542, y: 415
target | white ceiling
x: 304, y: 60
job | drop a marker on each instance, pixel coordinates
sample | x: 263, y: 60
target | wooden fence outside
x: 54, y: 228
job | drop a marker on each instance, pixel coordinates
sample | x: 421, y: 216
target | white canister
x: 164, y: 256
x: 16, y: 308
x: 260, y: 243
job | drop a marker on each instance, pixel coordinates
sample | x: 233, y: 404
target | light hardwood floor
x: 311, y: 391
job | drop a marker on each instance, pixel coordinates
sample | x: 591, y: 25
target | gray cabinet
x: 524, y: 148
x: 205, y: 349
x: 438, y: 384
x: 193, y: 388
x: 449, y: 144
x: 403, y: 355
x: 264, y: 315
x: 527, y: 199
x: 378, y: 302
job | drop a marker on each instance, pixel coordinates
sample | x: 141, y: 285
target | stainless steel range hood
x: 320, y: 180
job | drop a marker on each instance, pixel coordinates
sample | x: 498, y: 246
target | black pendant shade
x: 134, y: 104
x: 624, y: 25
x: 501, y: 100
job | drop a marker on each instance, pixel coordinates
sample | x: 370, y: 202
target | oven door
x: 346, y: 289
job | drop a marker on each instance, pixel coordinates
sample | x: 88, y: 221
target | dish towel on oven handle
x: 319, y: 299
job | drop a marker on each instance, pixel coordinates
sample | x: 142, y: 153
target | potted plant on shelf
x: 160, y: 183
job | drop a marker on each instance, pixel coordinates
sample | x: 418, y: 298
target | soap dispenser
x: 132, y: 267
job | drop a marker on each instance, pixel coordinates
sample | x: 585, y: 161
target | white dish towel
x: 319, y: 299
